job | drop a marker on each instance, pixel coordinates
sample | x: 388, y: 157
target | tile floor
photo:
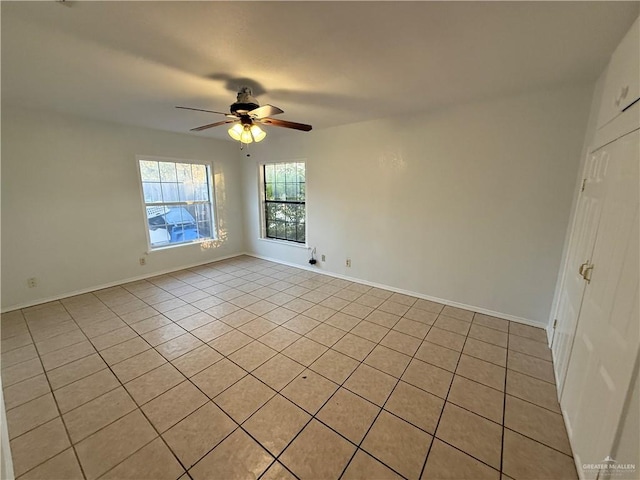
x: 250, y: 369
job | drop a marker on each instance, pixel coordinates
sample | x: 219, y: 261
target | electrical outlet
x: 348, y: 263
x: 323, y: 258
x: 32, y: 282
x: 143, y: 261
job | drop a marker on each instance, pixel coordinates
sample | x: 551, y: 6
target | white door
x: 607, y: 337
x: 581, y: 244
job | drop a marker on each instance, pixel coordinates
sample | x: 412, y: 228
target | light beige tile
x: 301, y: 324
x: 238, y: 318
x: 396, y: 443
x: 372, y: 384
x: 222, y: 310
x: 211, y: 331
x: 196, y: 320
x: 529, y: 347
x: 416, y: 406
x: 348, y: 414
x: 533, y: 366
x: 370, y: 331
x: 278, y: 371
x: 238, y: 456
x: 77, y: 370
x: 277, y: 471
x: 38, y: 445
x: 81, y: 391
x: 150, y: 324
x: 537, y: 423
x: 31, y: 414
x: 251, y: 356
x: 483, y: 372
x: 365, y: 467
x: 230, y: 342
x: 138, y: 365
x: 357, y: 310
x: 304, y: 351
x: 108, y: 447
x: 448, y: 463
x: 478, y: 398
x: 527, y: 459
x: 317, y: 453
x: 66, y: 355
x: 527, y: 331
x: 411, y: 327
x: 422, y: 316
x: 319, y: 313
x: 336, y: 303
x: 370, y: 300
x: 459, y: 313
x: 243, y: 398
x: 22, y: 392
x: 348, y: 295
x: 403, y: 299
x: 428, y: 377
x: 279, y: 315
x: 219, y: 376
x: 491, y: 322
x: 148, y: 386
x: 279, y: 338
x: 451, y: 324
x: 446, y: 339
x: 471, y: 433
x: 343, y: 321
x: 16, y: 341
x: 276, y: 423
x: 257, y: 327
x: 384, y: 319
x: 197, y: 434
x: 196, y: 360
x: 178, y: 346
x: 125, y: 350
x: 439, y: 356
x: 105, y: 326
x: 325, y: 335
x: 354, y: 346
x: 485, y: 351
x: 154, y: 461
x: 179, y: 313
x: 139, y: 315
x: 19, y: 355
x: 394, y: 308
x: 401, y: 342
x: 163, y: 334
x: 488, y: 335
x: 334, y: 365
x: 309, y: 391
x: 387, y: 360
x: 174, y: 405
x: 64, y: 466
x: 100, y: 412
x: 533, y: 390
x: 113, y: 338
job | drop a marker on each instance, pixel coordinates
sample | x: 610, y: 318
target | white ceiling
x: 323, y: 63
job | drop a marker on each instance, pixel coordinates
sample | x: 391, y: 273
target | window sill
x: 285, y: 242
x: 179, y: 245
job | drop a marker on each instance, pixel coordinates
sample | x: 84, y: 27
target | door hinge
x: 555, y: 323
x: 584, y: 184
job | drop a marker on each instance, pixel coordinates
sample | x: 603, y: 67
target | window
x: 178, y: 202
x: 284, y: 201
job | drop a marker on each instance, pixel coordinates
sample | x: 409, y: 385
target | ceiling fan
x: 246, y: 114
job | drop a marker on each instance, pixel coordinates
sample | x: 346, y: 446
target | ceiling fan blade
x: 265, y: 111
x: 202, y: 110
x: 211, y: 125
x: 285, y: 124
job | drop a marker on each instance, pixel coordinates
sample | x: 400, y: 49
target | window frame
x: 263, y: 204
x: 215, y: 234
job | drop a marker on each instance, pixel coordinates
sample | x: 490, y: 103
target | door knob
x: 585, y: 271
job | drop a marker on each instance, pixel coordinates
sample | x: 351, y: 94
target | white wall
x: 71, y: 207
x: 469, y: 204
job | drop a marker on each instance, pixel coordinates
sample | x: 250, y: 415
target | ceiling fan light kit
x: 245, y: 115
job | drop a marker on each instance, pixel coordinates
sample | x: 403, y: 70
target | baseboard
x: 114, y: 284
x: 451, y: 303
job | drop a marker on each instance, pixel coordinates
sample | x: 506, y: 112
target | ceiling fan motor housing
x: 245, y: 101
